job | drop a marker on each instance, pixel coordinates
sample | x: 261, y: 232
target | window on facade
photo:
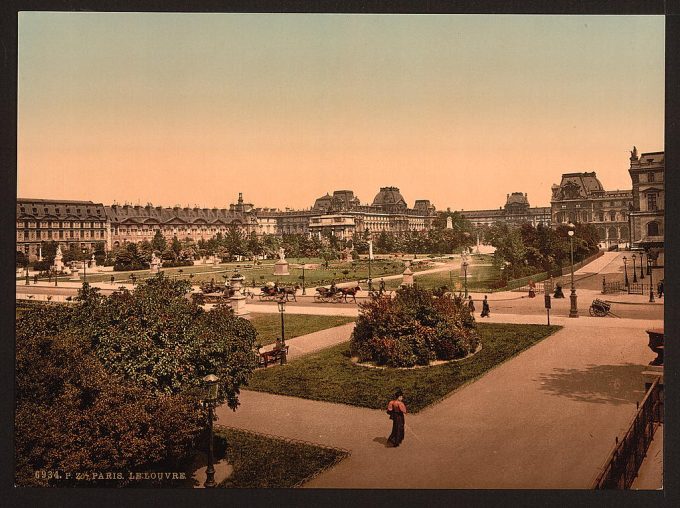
x: 650, y: 176
x: 651, y: 201
x: 653, y: 229
x: 612, y: 216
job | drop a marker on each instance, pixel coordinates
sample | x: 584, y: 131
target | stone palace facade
x: 633, y: 217
x: 85, y: 223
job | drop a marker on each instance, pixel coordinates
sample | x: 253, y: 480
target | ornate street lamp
x: 26, y: 267
x: 573, y: 310
x: 282, y: 309
x: 304, y: 290
x: 85, y: 265
x: 625, y: 271
x: 212, y: 390
x: 465, y: 267
x: 370, y: 255
x: 642, y: 274
x: 634, y: 270
x: 651, y: 283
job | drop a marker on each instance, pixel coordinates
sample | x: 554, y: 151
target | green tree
x: 176, y: 246
x: 158, y: 242
x: 72, y: 415
x: 160, y: 340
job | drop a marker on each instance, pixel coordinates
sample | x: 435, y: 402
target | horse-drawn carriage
x: 275, y: 292
x: 599, y: 308
x: 335, y: 294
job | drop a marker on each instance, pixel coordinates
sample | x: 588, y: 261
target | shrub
x: 73, y: 415
x: 162, y: 341
x: 413, y: 329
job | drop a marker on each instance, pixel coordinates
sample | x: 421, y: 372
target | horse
x: 350, y: 292
x: 286, y: 291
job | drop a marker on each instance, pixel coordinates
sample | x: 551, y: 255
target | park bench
x: 272, y: 356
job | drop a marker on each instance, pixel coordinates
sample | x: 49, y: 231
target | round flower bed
x: 434, y: 363
x: 414, y: 328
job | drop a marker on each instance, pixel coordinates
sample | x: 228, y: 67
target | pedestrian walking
x: 659, y: 288
x: 397, y: 409
x: 471, y: 305
x: 382, y: 286
x: 485, y: 308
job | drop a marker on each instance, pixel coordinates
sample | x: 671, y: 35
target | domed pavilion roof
x: 389, y: 197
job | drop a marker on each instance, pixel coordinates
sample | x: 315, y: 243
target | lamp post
x: 625, y: 271
x: 370, y: 255
x: 642, y: 274
x: 304, y: 290
x: 573, y: 310
x: 211, y: 399
x: 634, y: 270
x: 651, y: 283
x: 282, y: 309
x: 85, y: 265
x: 451, y: 280
x: 26, y: 267
x: 465, y: 267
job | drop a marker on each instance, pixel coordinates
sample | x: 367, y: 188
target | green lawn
x: 478, y: 277
x: 268, y: 326
x: 331, y: 376
x: 261, y: 461
x: 263, y: 273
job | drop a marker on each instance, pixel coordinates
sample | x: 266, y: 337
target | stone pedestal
x: 75, y: 274
x: 238, y: 301
x: 407, y: 277
x: 281, y: 267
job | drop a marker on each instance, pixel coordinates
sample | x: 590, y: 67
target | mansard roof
x: 389, y: 196
x: 55, y: 209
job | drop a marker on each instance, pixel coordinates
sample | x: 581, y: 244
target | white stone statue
x: 282, y: 256
x: 155, y: 263
x: 59, y: 254
x: 449, y: 222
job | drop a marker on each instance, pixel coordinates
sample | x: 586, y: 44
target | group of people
x: 485, y: 306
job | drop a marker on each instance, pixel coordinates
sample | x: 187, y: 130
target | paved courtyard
x: 546, y: 418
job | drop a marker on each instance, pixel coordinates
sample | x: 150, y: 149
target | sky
x: 191, y: 109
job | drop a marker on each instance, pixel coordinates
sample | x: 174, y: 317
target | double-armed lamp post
x: 625, y: 271
x: 642, y: 273
x: 634, y: 270
x: 573, y: 310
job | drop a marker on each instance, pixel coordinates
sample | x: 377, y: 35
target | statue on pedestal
x: 58, y: 264
x: 155, y: 263
x: 281, y: 266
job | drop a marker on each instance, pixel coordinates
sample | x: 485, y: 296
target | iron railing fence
x: 624, y: 462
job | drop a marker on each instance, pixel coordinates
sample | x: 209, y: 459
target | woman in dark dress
x: 397, y: 409
x: 485, y: 308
